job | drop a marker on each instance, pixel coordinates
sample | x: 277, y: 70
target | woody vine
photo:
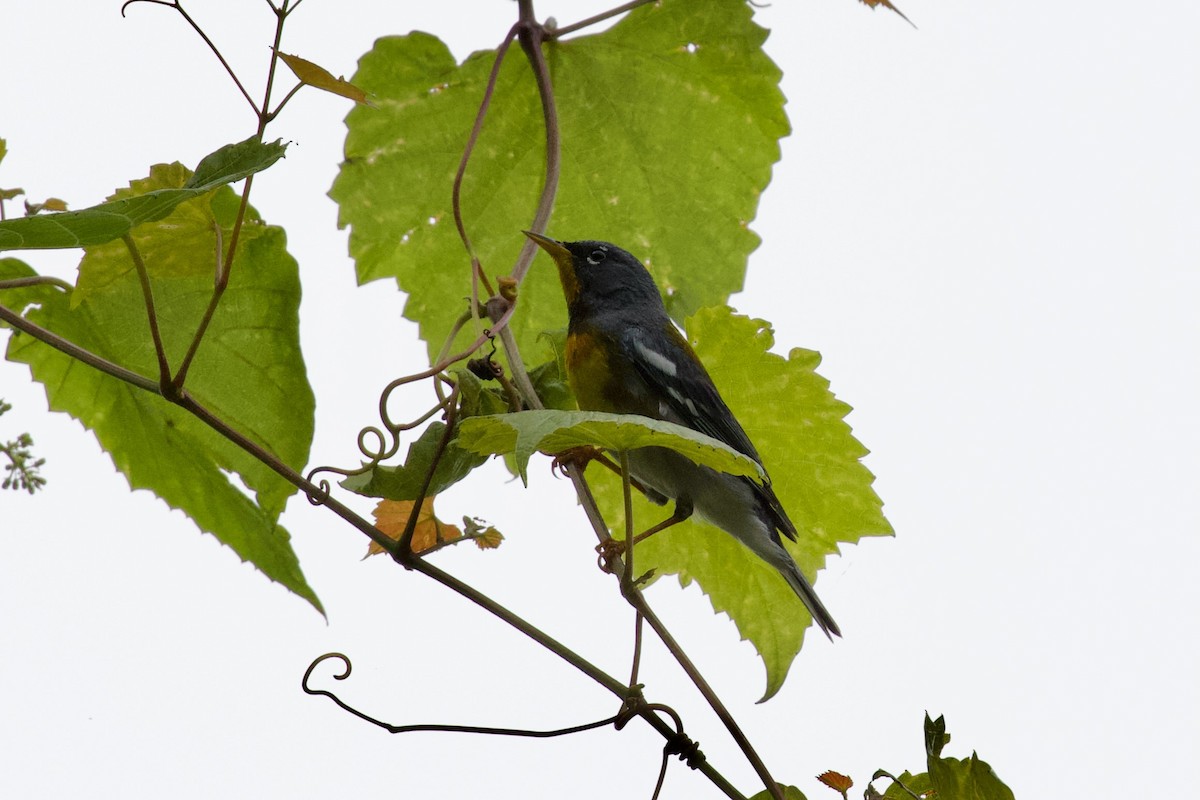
x: 147, y: 249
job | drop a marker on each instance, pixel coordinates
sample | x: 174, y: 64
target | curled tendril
x: 383, y: 450
x: 677, y: 744
x: 304, y: 684
x: 379, y: 444
x: 166, y: 3
x: 318, y: 498
x: 308, y: 672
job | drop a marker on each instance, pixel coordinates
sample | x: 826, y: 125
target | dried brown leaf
x: 836, y: 781
x: 391, y: 517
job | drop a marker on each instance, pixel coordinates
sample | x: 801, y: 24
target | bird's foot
x: 576, y: 458
x: 607, y: 552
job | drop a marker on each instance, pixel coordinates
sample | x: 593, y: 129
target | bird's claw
x: 575, y: 458
x: 607, y: 552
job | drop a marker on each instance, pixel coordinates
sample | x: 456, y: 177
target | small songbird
x: 625, y: 356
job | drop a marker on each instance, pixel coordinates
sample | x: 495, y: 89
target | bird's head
x: 599, y: 275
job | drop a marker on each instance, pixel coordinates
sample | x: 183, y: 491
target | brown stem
x: 645, y: 711
x: 447, y: 580
x: 75, y: 351
x: 164, y: 369
x: 402, y: 551
x: 477, y: 274
x: 603, y: 15
x: 532, y: 34
x: 200, y: 31
x: 36, y: 280
x: 185, y: 401
x: 271, y: 116
x: 223, y: 270
x: 638, y: 601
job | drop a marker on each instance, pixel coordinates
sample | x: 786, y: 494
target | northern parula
x: 625, y: 356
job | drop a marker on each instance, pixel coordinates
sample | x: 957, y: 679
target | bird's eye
x: 596, y: 256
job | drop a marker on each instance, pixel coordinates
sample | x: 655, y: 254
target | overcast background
x: 987, y: 226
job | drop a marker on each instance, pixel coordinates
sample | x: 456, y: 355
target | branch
x: 75, y: 351
x: 638, y: 601
x: 603, y: 15
x: 200, y: 31
x: 164, y: 369
x: 532, y: 35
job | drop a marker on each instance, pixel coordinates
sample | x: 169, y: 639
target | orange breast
x: 588, y: 372
x: 602, y: 380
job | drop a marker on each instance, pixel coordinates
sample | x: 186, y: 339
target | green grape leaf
x: 670, y: 122
x: 906, y: 782
x: 477, y: 399
x: 789, y: 793
x: 955, y: 778
x: 117, y: 217
x: 404, y: 482
x: 551, y: 386
x: 527, y: 432
x: 813, y: 460
x: 249, y: 370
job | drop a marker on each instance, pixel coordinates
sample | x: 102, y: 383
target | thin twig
x: 164, y: 369
x: 272, y: 461
x: 627, y: 496
x: 200, y: 31
x: 485, y: 104
x: 555, y: 33
x: 637, y: 649
x: 281, y: 15
x: 638, y: 601
x: 616, y: 687
x: 520, y: 375
x: 402, y: 551
x: 220, y: 282
x: 714, y: 701
x: 532, y: 35
x: 223, y: 272
x: 36, y: 280
x: 272, y: 115
x: 75, y: 351
x: 627, y: 573
x: 490, y: 731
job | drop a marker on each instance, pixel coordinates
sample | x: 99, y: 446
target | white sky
x: 988, y: 228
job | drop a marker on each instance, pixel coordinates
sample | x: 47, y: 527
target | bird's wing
x: 678, y: 379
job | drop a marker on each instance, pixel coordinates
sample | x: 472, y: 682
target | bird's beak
x: 553, y: 247
x: 565, y: 261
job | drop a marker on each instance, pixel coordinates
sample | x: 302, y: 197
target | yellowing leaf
x: 887, y: 4
x: 391, y: 517
x: 485, y: 538
x: 50, y: 204
x: 836, y: 781
x: 318, y: 77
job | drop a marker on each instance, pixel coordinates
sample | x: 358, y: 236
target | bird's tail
x: 800, y: 585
